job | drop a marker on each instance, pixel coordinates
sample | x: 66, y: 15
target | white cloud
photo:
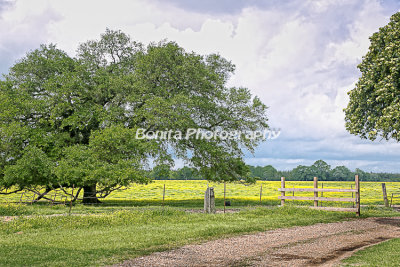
x: 23, y: 28
x: 301, y: 59
x: 367, y: 20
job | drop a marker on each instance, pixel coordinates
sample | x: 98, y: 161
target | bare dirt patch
x: 315, y: 245
x: 218, y: 211
x: 6, y: 218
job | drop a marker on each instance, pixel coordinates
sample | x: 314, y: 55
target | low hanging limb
x: 2, y: 189
x: 73, y: 196
x: 107, y: 191
x: 40, y: 195
x: 103, y: 193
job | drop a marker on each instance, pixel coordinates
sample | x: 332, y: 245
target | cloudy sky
x: 300, y: 57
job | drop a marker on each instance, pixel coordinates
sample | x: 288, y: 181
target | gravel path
x: 316, y: 245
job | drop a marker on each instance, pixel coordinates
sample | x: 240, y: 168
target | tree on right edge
x: 374, y: 107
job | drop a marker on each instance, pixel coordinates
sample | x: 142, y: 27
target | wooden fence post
x: 71, y: 198
x: 385, y: 199
x: 224, y: 196
x: 20, y: 200
x: 33, y: 198
x: 282, y: 192
x: 260, y: 193
x: 163, y: 196
x: 55, y: 195
x: 322, y: 194
x: 209, y: 201
x: 357, y: 180
x: 315, y: 192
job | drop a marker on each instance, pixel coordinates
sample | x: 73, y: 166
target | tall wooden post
x: 70, y: 202
x: 224, y: 196
x: 385, y: 199
x: 322, y: 194
x: 20, y: 200
x: 163, y: 196
x: 352, y: 195
x: 282, y: 192
x: 54, y: 199
x: 260, y: 194
x: 357, y: 180
x: 315, y: 192
x: 209, y: 201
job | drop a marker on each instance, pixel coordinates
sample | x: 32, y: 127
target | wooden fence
x: 394, y: 195
x: 317, y: 198
x: 56, y: 197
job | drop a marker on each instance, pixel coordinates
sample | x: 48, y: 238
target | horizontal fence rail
x: 316, y: 190
x: 317, y: 198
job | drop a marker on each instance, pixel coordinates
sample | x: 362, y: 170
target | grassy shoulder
x: 383, y: 254
x: 87, y: 240
x: 109, y: 206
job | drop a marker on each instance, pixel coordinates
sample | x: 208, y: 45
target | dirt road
x: 316, y: 245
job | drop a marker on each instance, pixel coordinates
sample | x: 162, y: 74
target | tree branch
x: 9, y: 193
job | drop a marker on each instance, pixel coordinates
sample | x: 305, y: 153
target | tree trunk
x: 89, y: 195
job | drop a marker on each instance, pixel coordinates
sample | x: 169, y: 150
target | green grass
x: 10, y: 209
x: 383, y: 254
x: 111, y: 237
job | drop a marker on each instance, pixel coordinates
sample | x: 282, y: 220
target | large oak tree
x: 71, y: 121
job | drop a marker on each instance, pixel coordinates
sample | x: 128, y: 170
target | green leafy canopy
x: 71, y: 121
x: 374, y: 107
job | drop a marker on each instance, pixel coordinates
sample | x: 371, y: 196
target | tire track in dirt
x: 315, y: 245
